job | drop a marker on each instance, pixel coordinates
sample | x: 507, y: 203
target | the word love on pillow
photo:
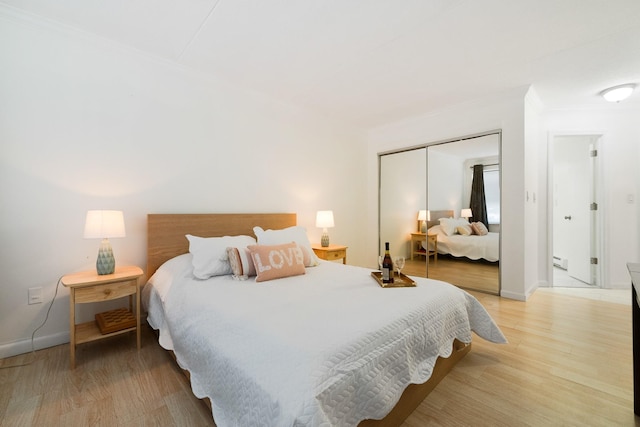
x: 277, y: 261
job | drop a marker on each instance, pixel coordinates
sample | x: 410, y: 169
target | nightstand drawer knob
x: 107, y: 292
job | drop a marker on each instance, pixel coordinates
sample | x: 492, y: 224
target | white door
x: 574, y: 220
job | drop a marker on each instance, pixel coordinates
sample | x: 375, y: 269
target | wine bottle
x: 387, y: 265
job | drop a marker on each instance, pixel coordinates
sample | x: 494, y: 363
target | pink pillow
x: 241, y: 263
x: 479, y: 228
x: 277, y: 261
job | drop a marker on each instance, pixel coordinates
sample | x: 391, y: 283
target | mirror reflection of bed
x: 469, y: 261
x: 439, y: 177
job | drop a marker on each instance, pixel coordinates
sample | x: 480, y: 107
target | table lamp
x: 103, y: 225
x: 423, y: 217
x: 324, y: 220
x: 466, y: 214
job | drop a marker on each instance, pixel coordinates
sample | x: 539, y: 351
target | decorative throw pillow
x: 241, y: 263
x: 287, y: 235
x: 277, y: 261
x: 464, y: 229
x: 210, y: 254
x: 479, y: 228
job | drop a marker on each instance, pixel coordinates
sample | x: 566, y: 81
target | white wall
x: 88, y: 124
x: 620, y: 179
x: 534, y: 218
x: 504, y: 112
x: 446, y: 182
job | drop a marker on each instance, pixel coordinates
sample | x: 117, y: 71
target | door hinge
x: 594, y: 206
x: 594, y: 260
x: 593, y: 153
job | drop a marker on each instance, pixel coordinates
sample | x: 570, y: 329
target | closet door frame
x: 415, y: 148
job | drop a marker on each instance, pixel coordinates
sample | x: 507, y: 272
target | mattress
x: 329, y: 347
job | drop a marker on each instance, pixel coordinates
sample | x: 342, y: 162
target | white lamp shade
x: 466, y: 213
x: 324, y: 219
x: 104, y: 224
x: 424, y: 215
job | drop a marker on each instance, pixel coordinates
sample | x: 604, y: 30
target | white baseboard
x: 24, y: 346
x: 620, y: 285
x: 513, y: 295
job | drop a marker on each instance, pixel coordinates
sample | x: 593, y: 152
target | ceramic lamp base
x: 106, y: 263
x: 324, y: 240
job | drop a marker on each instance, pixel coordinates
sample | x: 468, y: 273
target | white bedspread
x: 473, y: 247
x: 327, y: 348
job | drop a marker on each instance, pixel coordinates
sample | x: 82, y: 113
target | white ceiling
x: 370, y: 62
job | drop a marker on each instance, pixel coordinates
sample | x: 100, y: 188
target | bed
x: 326, y: 347
x: 473, y: 246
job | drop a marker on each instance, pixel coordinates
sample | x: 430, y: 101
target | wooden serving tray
x: 401, y: 281
x: 115, y: 320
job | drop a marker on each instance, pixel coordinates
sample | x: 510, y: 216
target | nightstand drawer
x: 106, y: 292
x: 331, y: 252
x: 335, y: 254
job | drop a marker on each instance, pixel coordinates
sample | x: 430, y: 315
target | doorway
x: 575, y: 208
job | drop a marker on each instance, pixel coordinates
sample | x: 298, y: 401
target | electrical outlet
x: 35, y: 296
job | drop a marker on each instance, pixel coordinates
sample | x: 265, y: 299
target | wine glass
x: 399, y: 261
x: 380, y: 257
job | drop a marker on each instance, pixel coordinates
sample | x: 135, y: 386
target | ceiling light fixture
x: 618, y: 93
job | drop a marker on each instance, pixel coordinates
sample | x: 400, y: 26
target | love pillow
x: 277, y: 261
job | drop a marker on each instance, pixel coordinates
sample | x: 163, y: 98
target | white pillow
x: 210, y: 254
x: 448, y: 226
x: 287, y: 235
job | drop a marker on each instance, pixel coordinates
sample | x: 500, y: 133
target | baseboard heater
x: 560, y: 262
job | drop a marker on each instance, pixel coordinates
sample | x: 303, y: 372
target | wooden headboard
x: 436, y: 215
x: 166, y: 232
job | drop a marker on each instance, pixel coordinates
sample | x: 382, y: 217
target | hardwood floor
x: 568, y: 362
x: 474, y: 275
x: 112, y: 385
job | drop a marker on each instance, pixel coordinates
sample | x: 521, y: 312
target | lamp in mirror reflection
x: 324, y: 220
x: 104, y: 225
x: 423, y: 217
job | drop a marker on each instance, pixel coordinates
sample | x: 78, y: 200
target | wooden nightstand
x: 331, y: 252
x: 88, y: 286
x: 416, y: 245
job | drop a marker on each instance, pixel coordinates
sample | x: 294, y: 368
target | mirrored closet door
x: 402, y: 193
x: 459, y: 242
